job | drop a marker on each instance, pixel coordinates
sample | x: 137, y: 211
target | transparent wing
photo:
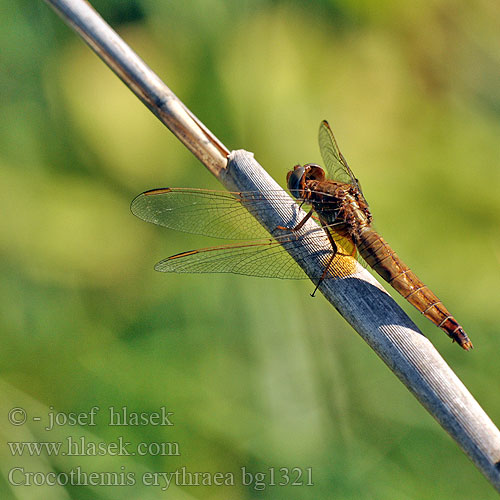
x: 263, y: 259
x: 219, y: 214
x: 334, y: 161
x: 267, y: 258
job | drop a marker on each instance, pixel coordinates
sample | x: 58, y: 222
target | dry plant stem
x: 143, y: 81
x: 359, y: 298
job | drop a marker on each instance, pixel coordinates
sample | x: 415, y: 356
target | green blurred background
x: 257, y: 373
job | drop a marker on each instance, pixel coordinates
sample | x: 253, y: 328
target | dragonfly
x: 338, y: 208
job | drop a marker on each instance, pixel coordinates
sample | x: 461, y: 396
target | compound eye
x: 294, y: 181
x: 314, y: 172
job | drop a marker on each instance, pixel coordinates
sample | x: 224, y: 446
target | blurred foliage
x: 260, y: 380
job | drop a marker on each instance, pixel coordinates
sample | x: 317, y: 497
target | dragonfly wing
x: 345, y: 245
x: 263, y: 259
x: 267, y: 258
x: 219, y: 214
x: 334, y: 161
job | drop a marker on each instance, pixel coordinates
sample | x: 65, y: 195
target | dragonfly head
x: 296, y: 178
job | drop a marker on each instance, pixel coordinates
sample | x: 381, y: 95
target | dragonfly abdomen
x: 383, y: 259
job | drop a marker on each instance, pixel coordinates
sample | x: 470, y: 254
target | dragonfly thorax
x: 335, y: 202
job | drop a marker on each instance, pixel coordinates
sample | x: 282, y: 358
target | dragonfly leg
x: 300, y: 224
x: 330, y: 260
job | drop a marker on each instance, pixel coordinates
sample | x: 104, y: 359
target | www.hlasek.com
x: 84, y: 447
x: 283, y: 476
